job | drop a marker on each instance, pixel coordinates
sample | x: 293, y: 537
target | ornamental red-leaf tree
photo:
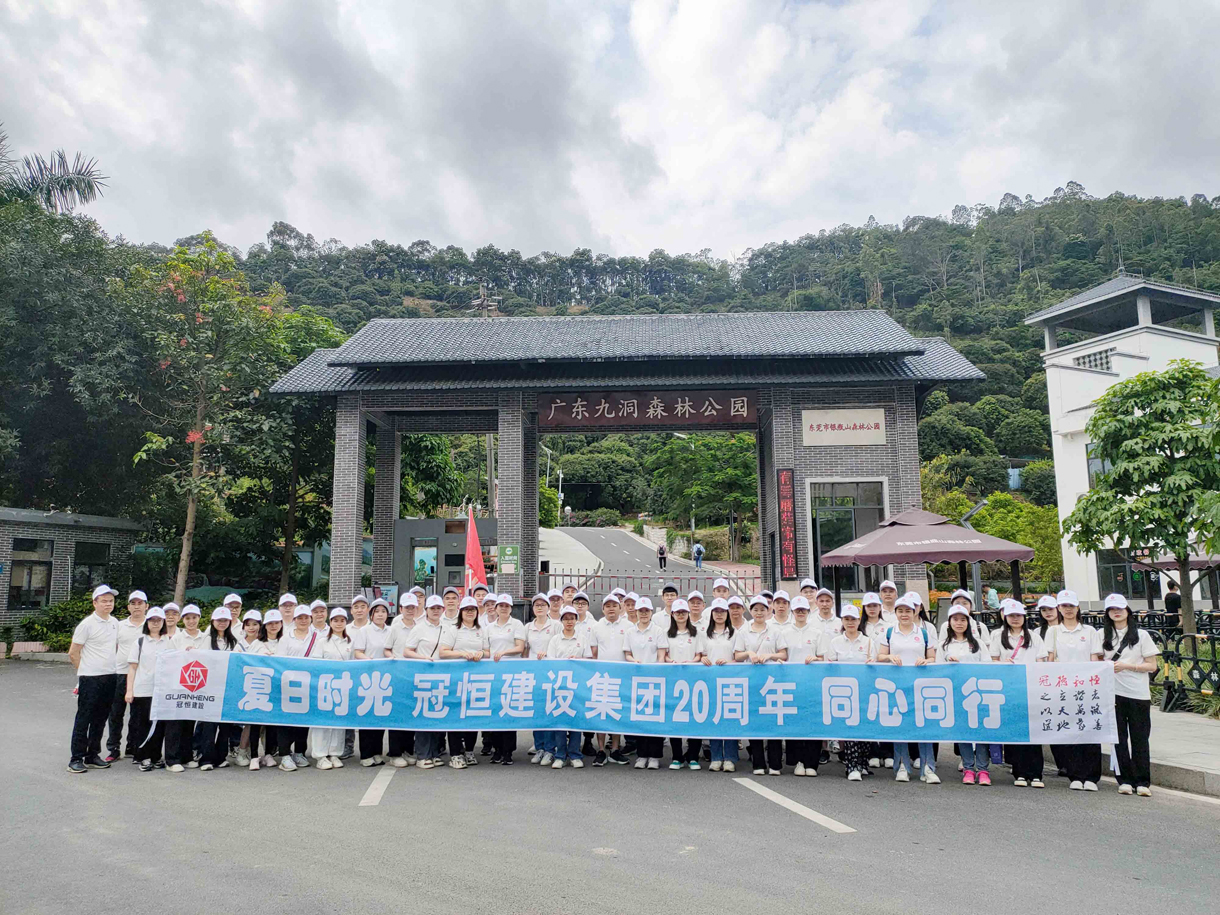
x: 1158, y: 437
x: 213, y: 348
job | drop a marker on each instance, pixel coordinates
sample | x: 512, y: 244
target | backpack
x: 698, y: 549
x: 922, y: 629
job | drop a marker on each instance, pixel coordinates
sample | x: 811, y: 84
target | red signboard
x: 787, y: 525
x: 647, y: 408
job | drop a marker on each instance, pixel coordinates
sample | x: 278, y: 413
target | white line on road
x: 372, y: 797
x: 798, y: 809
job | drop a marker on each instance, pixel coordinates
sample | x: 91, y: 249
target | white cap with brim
x: 300, y: 610
x: 338, y: 611
x: 554, y: 593
x: 1008, y: 606
x: 468, y: 602
x: 155, y: 613
x: 1116, y: 601
x: 958, y: 610
x: 736, y: 599
x: 758, y: 599
x: 222, y: 613
x: 191, y: 608
x: 719, y: 603
x: 171, y: 606
x: 319, y: 604
x: 358, y: 599
x: 871, y: 597
x: 800, y: 602
x: 850, y: 611
x: 694, y: 594
x: 720, y: 583
x: 887, y: 584
x: 619, y: 592
x: 581, y: 595
x: 252, y: 615
x: 610, y: 598
x: 540, y: 596
x: 822, y: 591
x: 962, y: 592
x: 568, y: 611
x: 289, y: 598
x: 1067, y: 596
x: 434, y: 601
x: 914, y: 598
x: 808, y: 583
x: 101, y: 590
x: 379, y: 602
x: 418, y: 590
x: 904, y: 602
x: 631, y: 595
x: 504, y: 599
x: 679, y: 605
x: 781, y: 595
x: 644, y: 604
x: 137, y: 595
x: 1046, y: 602
x: 231, y: 598
x: 273, y: 616
x: 408, y: 600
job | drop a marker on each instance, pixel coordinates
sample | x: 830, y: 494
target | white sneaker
x: 889, y: 762
x: 654, y: 763
x: 253, y: 766
x: 399, y: 763
x: 457, y: 762
x: 206, y: 767
x: 193, y: 764
x: 641, y: 762
x: 1037, y: 783
x: 774, y: 772
x: 269, y: 761
x: 811, y: 772
x: 287, y: 765
x: 1125, y: 789
x: 716, y: 765
x: 536, y: 758
x: 577, y: 764
x: 901, y: 775
x: 961, y: 766
x: 409, y: 759
x: 760, y: 771
x: 547, y: 759
x: 324, y: 763
x: 1076, y: 786
x: 371, y: 761
x: 730, y: 766
x: 176, y: 768
x: 854, y: 776
x: 799, y: 769
x: 426, y: 764
x: 336, y: 762
x: 557, y: 764
x: 874, y: 762
x: 1019, y: 783
x: 243, y: 757
x: 917, y: 763
x: 1144, y: 791
x: 930, y: 778
x: 1090, y: 786
x: 301, y: 760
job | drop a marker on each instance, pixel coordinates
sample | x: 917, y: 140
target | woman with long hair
x: 1016, y: 642
x: 718, y: 650
x: 1071, y: 641
x: 962, y: 645
x: 141, y: 669
x: 685, y: 646
x: 464, y: 640
x: 369, y: 644
x: 851, y: 646
x: 251, y: 641
x: 214, y: 736
x: 505, y: 639
x: 758, y: 643
x: 1133, y: 653
x: 907, y: 644
x: 325, y: 744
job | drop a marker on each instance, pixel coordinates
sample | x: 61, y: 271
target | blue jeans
x: 567, y: 744
x: 902, y: 757
x: 975, y: 756
x: 996, y: 750
x: 722, y: 750
x: 544, y: 741
x: 699, y: 561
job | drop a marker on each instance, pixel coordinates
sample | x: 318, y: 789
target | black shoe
x: 96, y: 762
x: 146, y: 766
x: 628, y: 747
x: 486, y: 751
x: 824, y: 758
x: 586, y: 748
x: 113, y: 756
x: 619, y: 757
x: 506, y: 761
x: 347, y: 754
x: 76, y: 767
x: 600, y: 759
x: 159, y: 764
x: 1063, y: 773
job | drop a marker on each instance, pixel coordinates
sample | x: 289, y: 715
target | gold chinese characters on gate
x: 647, y: 408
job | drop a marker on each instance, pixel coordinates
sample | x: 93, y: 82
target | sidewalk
x: 1185, y: 750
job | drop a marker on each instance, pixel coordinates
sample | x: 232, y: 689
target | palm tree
x: 56, y: 185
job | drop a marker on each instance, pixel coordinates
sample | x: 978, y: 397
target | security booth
x: 831, y: 397
x: 431, y: 552
x: 46, y: 557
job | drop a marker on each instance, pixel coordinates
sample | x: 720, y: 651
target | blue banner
x: 974, y: 703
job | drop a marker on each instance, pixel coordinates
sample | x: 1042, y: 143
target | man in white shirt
x: 825, y: 618
x: 128, y: 631
x: 888, y: 592
x: 92, y: 654
x: 607, y: 640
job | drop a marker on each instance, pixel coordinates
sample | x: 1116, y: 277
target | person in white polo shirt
x: 128, y: 631
x: 607, y: 642
x: 538, y: 634
x: 301, y: 641
x: 369, y: 644
x: 568, y: 643
x: 422, y: 643
x: 147, y: 741
x: 1016, y: 642
x: 907, y: 644
x: 851, y: 646
x: 824, y: 618
x: 92, y: 654
x: 759, y: 643
x: 1071, y: 641
x: 505, y: 639
x: 646, y: 644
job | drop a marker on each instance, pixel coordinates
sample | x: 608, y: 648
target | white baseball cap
x: 222, y: 613
x: 252, y: 615
x: 229, y: 598
x: 409, y: 600
x: 358, y: 599
x: 631, y: 595
x: 1067, y: 596
x: 379, y: 602
x: 850, y: 610
x: 104, y: 589
x: 540, y: 596
x: 619, y: 592
x: 758, y: 599
x: 721, y: 583
x: 871, y: 597
x: 434, y: 601
x: 808, y: 583
x: 800, y: 602
x: 958, y: 610
x: 678, y: 605
x: 319, y: 604
x: 887, y: 584
x: 581, y: 595
x: 822, y: 591
x: 288, y: 598
x: 505, y: 599
x: 1008, y: 605
x: 611, y: 598
x: 338, y: 611
x: 569, y: 610
x: 904, y: 601
x: 719, y: 603
x: 418, y: 590
x: 273, y: 616
x: 553, y: 593
x: 914, y: 598
x: 694, y: 594
x: 191, y: 608
x: 137, y: 595
x: 1116, y: 600
x: 300, y: 610
x: 781, y: 595
x: 962, y: 592
x: 155, y: 613
x: 643, y: 604
x: 736, y: 599
x: 468, y: 602
x: 1046, y: 602
x: 171, y: 606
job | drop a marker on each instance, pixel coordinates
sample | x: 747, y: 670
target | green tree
x: 214, y: 348
x: 1012, y: 518
x: 1159, y: 432
x: 1024, y: 434
x: 55, y: 184
x: 548, y: 506
x: 1038, y: 482
x: 933, y: 402
x: 942, y: 434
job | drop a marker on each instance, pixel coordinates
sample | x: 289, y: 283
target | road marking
x: 372, y: 797
x: 798, y: 809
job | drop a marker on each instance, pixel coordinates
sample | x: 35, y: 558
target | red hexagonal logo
x: 194, y: 676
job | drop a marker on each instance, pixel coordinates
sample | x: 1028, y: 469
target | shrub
x: 602, y: 517
x: 637, y: 528
x: 61, y: 619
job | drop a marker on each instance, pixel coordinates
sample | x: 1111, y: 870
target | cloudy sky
x: 620, y: 126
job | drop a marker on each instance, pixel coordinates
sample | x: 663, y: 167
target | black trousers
x: 1026, y: 760
x: 372, y: 743
x: 1081, y: 760
x: 462, y: 741
x: 768, y: 754
x: 292, y: 740
x: 214, y: 741
x: 269, y: 734
x: 179, y: 742
x: 1134, y: 719
x: 649, y: 747
x: 881, y: 751
x: 661, y: 562
x: 1059, y: 753
x: 806, y: 752
x: 684, y: 755
x: 402, y: 743
x: 502, y: 743
x: 118, y: 708
x: 94, y: 696
x: 145, y: 740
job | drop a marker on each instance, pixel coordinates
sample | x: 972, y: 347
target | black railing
x: 1189, y: 665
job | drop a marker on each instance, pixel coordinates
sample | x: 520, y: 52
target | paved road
x: 633, y: 565
x: 495, y: 840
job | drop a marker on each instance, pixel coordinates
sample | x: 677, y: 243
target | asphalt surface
x: 630, y: 564
x: 492, y: 839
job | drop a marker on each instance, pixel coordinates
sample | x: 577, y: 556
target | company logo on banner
x: 190, y: 685
x: 976, y: 703
x: 194, y: 676
x: 842, y: 427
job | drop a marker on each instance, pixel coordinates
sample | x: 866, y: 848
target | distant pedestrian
x: 697, y: 552
x: 92, y: 653
x: 1173, y: 605
x: 662, y: 555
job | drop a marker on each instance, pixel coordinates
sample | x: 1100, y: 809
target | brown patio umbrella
x: 919, y: 536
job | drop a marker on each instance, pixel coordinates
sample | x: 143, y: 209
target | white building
x: 1129, y: 325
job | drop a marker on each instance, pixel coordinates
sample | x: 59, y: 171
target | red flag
x: 475, y: 573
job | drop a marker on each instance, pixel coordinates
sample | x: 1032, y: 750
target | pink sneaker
x: 984, y: 778
x: 968, y: 777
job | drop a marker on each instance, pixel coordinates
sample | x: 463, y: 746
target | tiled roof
x: 67, y: 519
x: 1112, y: 287
x: 737, y: 335
x: 939, y: 362
x: 1214, y: 371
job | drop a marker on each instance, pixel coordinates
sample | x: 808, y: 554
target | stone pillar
x: 783, y: 457
x: 529, y: 506
x: 1050, y: 335
x: 510, y: 499
x: 387, y: 495
x: 347, y: 514
x: 1209, y: 322
x: 907, y: 494
x: 764, y: 531
x: 1143, y: 310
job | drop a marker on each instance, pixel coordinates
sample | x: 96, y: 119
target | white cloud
x: 621, y: 126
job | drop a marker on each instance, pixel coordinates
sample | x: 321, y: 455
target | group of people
x: 116, y: 661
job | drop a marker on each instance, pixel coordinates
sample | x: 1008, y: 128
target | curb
x: 57, y: 656
x: 1164, y: 775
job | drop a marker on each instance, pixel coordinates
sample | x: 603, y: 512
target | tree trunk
x: 192, y: 504
x: 1188, y: 595
x: 290, y: 521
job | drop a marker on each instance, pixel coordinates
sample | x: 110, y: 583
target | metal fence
x: 1189, y: 665
x: 597, y: 584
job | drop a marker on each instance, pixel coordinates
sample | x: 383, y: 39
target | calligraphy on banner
x: 979, y: 703
x: 787, y: 524
x: 647, y: 408
x: 857, y: 426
